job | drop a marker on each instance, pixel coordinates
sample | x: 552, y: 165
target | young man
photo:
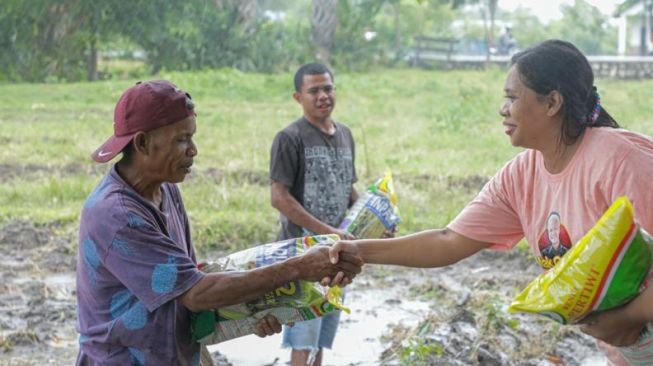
x: 137, y: 279
x: 312, y: 175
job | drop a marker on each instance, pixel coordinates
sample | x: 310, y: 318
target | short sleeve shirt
x: 318, y: 170
x: 134, y: 261
x: 553, y: 211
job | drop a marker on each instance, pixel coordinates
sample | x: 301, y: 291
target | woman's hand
x: 342, y: 251
x: 613, y: 326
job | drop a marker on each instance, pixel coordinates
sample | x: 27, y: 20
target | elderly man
x: 137, y: 279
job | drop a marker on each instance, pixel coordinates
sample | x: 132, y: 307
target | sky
x: 548, y: 10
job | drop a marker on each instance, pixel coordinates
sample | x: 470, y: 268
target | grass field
x: 439, y: 132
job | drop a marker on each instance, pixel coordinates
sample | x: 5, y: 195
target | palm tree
x: 323, y: 27
x: 247, y: 11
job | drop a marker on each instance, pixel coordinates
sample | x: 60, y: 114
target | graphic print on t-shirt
x: 554, y: 241
x: 327, y: 182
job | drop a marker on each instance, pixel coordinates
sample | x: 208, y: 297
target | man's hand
x: 613, y: 326
x: 268, y: 325
x: 316, y: 265
x: 342, y: 252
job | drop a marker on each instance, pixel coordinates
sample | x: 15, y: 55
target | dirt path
x: 450, y: 316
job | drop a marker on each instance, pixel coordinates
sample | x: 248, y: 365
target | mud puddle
x: 449, y: 316
x: 359, y: 338
x: 452, y: 316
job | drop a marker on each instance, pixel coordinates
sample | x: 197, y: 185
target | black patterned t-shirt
x: 318, y: 170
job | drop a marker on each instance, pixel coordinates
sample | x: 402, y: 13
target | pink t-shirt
x: 524, y: 200
x: 553, y: 211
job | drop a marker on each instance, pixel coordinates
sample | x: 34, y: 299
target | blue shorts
x: 311, y: 335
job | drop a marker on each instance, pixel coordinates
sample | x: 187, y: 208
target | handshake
x: 294, y: 267
x: 334, y: 265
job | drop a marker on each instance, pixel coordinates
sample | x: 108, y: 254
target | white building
x: 635, y: 33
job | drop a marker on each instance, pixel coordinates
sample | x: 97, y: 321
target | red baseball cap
x: 145, y: 106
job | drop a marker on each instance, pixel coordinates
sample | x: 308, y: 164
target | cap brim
x: 111, y: 148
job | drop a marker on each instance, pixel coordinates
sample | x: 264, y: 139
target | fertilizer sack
x: 605, y: 269
x: 294, y: 301
x: 374, y: 212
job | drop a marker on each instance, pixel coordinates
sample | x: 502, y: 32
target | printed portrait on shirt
x: 554, y: 241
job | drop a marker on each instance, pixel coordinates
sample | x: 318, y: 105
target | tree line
x: 62, y: 40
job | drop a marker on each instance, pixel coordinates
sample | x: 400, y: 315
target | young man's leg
x: 308, y: 339
x: 303, y: 338
x: 328, y: 330
x: 303, y: 357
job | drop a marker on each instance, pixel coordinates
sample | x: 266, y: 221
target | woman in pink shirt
x: 576, y: 163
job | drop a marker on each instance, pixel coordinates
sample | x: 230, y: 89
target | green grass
x: 439, y: 132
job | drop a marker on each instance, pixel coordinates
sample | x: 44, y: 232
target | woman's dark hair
x: 559, y: 65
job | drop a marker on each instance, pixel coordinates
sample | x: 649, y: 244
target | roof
x: 627, y: 5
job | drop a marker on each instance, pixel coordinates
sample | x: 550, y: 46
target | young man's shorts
x: 311, y: 335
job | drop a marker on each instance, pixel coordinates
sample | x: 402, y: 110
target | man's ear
x: 296, y: 95
x: 554, y: 103
x: 141, y: 142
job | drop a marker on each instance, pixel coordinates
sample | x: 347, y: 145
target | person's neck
x: 558, y: 156
x: 325, y: 125
x: 147, y: 188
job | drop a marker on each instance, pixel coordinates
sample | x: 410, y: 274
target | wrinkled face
x: 524, y: 115
x: 171, y: 151
x: 317, y: 96
x: 553, y: 228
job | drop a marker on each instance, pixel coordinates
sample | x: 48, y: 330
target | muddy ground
x: 466, y: 322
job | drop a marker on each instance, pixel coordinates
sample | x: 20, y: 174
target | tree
x: 95, y: 22
x: 529, y: 28
x: 42, y: 39
x: 586, y: 27
x: 488, y: 9
x: 351, y: 46
x: 190, y: 34
x: 395, y: 24
x: 56, y: 39
x: 324, y: 22
x: 491, y: 6
x: 247, y: 10
x: 338, y: 27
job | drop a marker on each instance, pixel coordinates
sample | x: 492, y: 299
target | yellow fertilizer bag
x: 605, y: 269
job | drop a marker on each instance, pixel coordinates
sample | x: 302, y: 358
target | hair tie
x: 596, y: 110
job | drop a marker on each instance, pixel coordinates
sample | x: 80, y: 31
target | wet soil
x: 37, y: 300
x: 11, y: 171
x: 449, y: 316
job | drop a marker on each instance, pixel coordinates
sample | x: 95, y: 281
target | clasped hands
x: 335, y: 266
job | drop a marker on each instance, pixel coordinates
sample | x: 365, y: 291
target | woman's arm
x: 430, y: 248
